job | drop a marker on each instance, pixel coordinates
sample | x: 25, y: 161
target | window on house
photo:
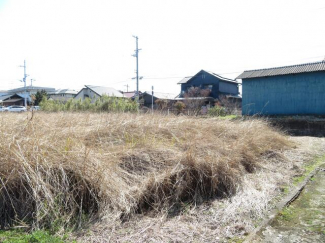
x: 208, y: 86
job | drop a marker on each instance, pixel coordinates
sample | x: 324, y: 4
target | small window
x: 208, y: 86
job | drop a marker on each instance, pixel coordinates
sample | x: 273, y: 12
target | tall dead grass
x: 59, y: 170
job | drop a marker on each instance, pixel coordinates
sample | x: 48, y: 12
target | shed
x: 288, y: 90
x: 146, y: 97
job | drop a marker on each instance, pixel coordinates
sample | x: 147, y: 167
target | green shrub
x: 217, y: 111
x: 104, y: 103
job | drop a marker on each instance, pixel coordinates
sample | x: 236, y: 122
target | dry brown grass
x: 58, y: 170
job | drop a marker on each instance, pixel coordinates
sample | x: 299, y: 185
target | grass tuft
x: 62, y: 170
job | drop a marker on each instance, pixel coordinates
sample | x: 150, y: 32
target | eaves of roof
x: 12, y: 100
x: 187, y: 79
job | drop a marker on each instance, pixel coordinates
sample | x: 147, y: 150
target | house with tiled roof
x: 94, y: 92
x: 218, y: 85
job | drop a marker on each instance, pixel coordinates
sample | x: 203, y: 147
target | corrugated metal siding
x: 302, y: 68
x: 301, y: 94
x: 229, y: 88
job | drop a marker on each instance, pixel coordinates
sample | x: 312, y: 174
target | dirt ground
x: 224, y: 220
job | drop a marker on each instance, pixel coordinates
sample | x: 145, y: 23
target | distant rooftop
x: 186, y: 79
x: 64, y: 91
x: 293, y: 69
x: 28, y: 88
x: 100, y: 90
x: 4, y: 97
x: 163, y: 96
x: 129, y: 94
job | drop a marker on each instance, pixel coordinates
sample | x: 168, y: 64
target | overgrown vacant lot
x: 129, y: 172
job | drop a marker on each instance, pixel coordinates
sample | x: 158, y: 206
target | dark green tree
x: 39, y: 96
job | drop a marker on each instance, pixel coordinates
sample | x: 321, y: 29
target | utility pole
x: 136, y: 55
x: 127, y: 88
x: 24, y: 80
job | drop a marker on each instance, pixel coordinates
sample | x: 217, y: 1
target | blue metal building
x: 289, y: 90
x: 208, y: 80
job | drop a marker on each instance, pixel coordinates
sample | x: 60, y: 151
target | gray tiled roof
x: 22, y: 89
x: 4, y: 97
x: 222, y: 78
x: 105, y: 91
x: 64, y: 91
x: 186, y: 79
x: 301, y: 68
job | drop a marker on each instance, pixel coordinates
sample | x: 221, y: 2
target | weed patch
x: 63, y: 170
x: 19, y: 236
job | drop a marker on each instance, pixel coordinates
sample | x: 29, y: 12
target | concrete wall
x: 294, y: 94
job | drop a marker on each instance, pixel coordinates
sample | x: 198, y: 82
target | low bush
x: 103, y: 104
x: 217, y: 111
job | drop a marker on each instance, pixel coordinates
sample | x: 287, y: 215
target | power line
x: 162, y: 77
x: 128, y: 80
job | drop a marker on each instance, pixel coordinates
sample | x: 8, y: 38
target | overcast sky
x: 70, y: 43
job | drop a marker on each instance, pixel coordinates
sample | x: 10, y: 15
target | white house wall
x: 85, y: 91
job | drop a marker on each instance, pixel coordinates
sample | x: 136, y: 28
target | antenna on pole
x: 136, y: 55
x: 31, y: 82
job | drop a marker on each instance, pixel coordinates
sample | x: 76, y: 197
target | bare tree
x: 195, y: 98
x: 232, y: 106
